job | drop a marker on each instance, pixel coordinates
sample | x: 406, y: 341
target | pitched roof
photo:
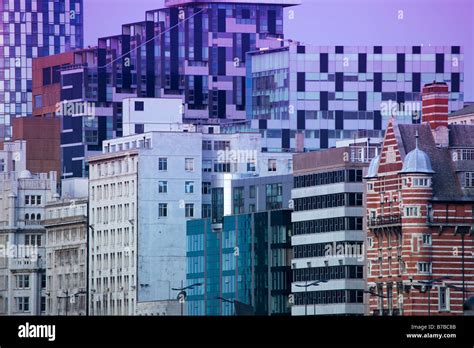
x: 445, y: 181
x: 467, y: 110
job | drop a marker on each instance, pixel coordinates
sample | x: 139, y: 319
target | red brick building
x: 420, y: 208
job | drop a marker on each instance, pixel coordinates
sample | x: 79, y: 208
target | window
x: 23, y: 304
x: 251, y: 208
x: 424, y: 267
x: 22, y: 281
x: 443, y: 298
x: 274, y: 196
x: 38, y: 101
x: 469, y: 182
x: 206, y: 188
x: 162, y: 164
x: 220, y: 167
x: 427, y: 239
x: 189, y: 164
x: 43, y: 281
x: 189, y: 210
x: 421, y: 182
x: 207, y: 144
x: 189, y: 187
x: 163, y: 209
x: 46, y: 76
x: 162, y: 186
x: 221, y: 145
x: 412, y: 211
x: 272, y: 165
x: 43, y: 304
x: 139, y: 128
x: 251, y: 166
x: 207, y: 166
x: 206, y: 211
x: 252, y: 191
x: 139, y: 106
x: 33, y: 239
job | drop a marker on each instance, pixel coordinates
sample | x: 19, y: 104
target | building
x: 22, y: 235
x: 66, y: 256
x: 309, y: 97
x: 328, y: 236
x: 178, y: 175
x: 140, y: 198
x: 201, y: 59
x: 420, y: 214
x: 256, y: 194
x: 246, y: 262
x: 42, y: 142
x: 246, y: 258
x: 32, y: 29
x: 463, y: 116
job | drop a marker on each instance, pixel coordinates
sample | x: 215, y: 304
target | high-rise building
x: 305, y: 96
x: 22, y: 235
x: 420, y: 193
x: 328, y: 236
x: 196, y: 50
x: 32, y: 29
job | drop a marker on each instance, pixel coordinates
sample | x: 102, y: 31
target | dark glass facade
x: 247, y: 261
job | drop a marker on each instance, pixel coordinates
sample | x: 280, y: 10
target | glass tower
x: 30, y: 29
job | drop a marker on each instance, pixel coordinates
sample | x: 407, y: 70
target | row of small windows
x: 328, y: 225
x: 218, y: 145
x: 32, y: 200
x: 351, y: 175
x: 328, y: 201
x: 328, y: 273
x: 32, y: 217
x: 329, y: 296
x: 326, y: 249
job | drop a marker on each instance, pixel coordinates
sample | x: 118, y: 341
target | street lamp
x: 182, y: 293
x: 68, y: 296
x: 429, y: 284
x: 306, y: 286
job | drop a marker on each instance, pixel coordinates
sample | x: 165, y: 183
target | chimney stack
x: 435, y: 104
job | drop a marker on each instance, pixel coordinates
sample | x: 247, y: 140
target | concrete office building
x: 22, y: 234
x: 328, y: 235
x: 142, y: 190
x: 32, y: 29
x: 66, y: 256
x: 309, y: 97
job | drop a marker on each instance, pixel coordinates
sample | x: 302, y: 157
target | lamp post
x: 429, y: 284
x: 306, y: 286
x: 68, y: 296
x: 373, y: 293
x: 182, y: 293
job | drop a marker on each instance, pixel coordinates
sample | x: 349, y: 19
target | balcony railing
x: 26, y: 264
x: 385, y: 220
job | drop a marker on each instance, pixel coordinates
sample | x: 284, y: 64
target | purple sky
x: 331, y: 22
